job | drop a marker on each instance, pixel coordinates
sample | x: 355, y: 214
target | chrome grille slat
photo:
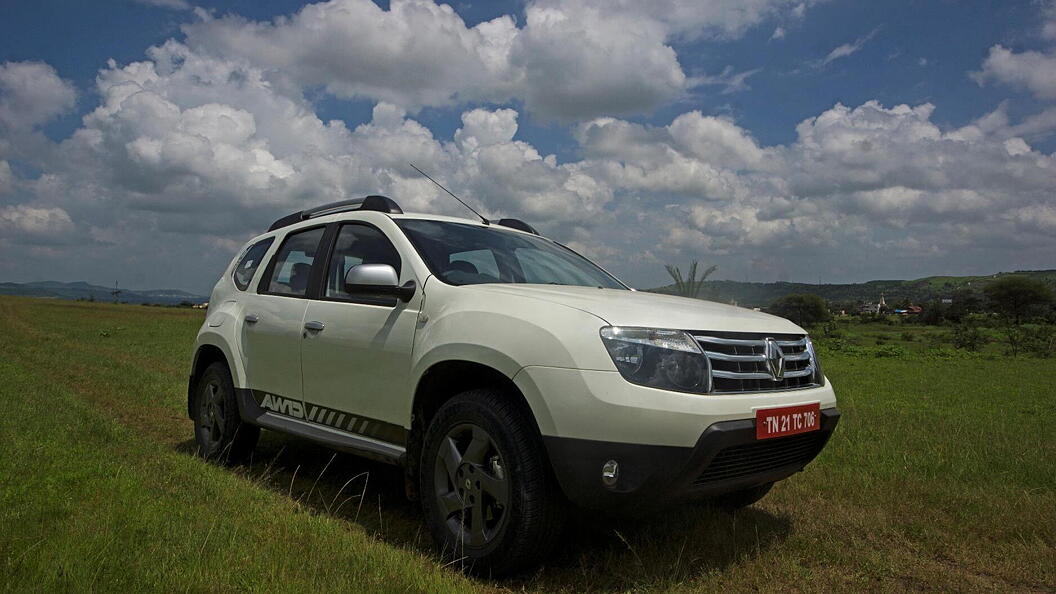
x: 739, y: 364
x: 756, y: 375
x: 725, y: 357
x: 730, y: 341
x: 739, y: 375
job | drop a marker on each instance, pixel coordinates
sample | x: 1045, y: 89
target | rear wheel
x: 486, y: 488
x: 218, y: 427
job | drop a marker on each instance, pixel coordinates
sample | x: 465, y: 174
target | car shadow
x: 596, y: 553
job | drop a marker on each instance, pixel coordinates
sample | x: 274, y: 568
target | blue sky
x: 739, y: 83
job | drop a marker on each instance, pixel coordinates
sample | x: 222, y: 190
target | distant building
x: 873, y: 308
x: 869, y: 308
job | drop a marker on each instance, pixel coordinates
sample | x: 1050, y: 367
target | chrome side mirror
x: 377, y: 279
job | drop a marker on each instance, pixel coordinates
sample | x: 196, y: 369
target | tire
x: 487, y: 491
x: 218, y: 428
x: 738, y: 499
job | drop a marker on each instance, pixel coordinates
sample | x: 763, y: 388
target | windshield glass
x: 463, y: 254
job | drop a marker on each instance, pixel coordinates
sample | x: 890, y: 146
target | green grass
x: 940, y: 477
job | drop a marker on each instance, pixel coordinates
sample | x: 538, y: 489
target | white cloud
x: 570, y: 60
x: 779, y: 33
x: 730, y: 81
x: 842, y: 51
x: 31, y: 93
x: 1031, y: 70
x: 998, y: 124
x: 854, y: 180
x: 182, y: 134
x: 1048, y: 27
x: 35, y: 222
x: 692, y: 19
x: 7, y: 178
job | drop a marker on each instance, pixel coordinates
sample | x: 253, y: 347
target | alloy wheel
x: 211, y: 415
x: 472, y: 485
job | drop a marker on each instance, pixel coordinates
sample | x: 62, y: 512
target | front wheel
x: 487, y: 492
x: 218, y: 428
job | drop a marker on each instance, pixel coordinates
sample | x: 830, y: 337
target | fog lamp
x: 610, y: 472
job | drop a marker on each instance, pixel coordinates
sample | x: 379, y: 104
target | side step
x: 332, y: 438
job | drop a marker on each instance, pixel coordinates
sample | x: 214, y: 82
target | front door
x: 273, y: 324
x: 356, y: 364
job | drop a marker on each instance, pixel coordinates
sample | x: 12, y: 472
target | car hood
x: 652, y: 310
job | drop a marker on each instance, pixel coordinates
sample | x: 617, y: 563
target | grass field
x: 942, y: 476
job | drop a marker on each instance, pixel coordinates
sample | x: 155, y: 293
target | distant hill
x: 83, y: 290
x: 921, y: 290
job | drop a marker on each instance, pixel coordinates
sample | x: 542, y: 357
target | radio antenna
x: 482, y: 219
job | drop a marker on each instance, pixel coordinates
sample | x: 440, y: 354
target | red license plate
x: 787, y: 420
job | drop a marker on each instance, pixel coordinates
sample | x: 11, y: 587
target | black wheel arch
x: 206, y: 355
x: 441, y: 382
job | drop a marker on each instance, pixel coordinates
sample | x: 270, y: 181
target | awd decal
x: 331, y: 418
x: 283, y: 406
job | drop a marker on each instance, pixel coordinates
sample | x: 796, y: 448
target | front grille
x: 739, y: 364
x: 762, y: 456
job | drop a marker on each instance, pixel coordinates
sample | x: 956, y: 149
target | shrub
x: 967, y: 337
x: 908, y: 337
x: 805, y: 309
x: 1037, y: 341
x: 890, y: 351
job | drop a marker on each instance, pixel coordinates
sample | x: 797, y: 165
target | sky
x: 145, y: 141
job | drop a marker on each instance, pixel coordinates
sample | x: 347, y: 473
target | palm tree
x: 689, y: 286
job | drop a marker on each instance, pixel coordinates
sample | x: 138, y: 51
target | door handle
x: 314, y: 326
x: 252, y: 319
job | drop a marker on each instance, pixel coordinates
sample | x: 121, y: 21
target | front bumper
x: 727, y: 457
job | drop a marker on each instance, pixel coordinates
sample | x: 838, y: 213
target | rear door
x: 273, y: 323
x: 356, y: 368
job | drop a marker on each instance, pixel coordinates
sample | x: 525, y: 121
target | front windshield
x: 463, y: 254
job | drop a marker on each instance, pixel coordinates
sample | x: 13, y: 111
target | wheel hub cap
x: 471, y: 489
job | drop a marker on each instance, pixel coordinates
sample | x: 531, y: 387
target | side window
x: 359, y: 244
x: 249, y: 263
x: 292, y: 265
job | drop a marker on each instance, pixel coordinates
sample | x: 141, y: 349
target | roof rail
x: 517, y: 224
x: 375, y: 203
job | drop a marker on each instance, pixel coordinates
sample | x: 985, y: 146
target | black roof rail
x: 375, y: 203
x: 517, y: 224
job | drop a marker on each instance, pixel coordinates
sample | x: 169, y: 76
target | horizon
x: 206, y: 293
x: 814, y: 139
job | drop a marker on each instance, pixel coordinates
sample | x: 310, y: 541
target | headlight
x: 665, y: 359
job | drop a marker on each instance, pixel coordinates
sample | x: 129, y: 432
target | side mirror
x: 377, y: 279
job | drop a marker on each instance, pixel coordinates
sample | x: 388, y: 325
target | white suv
x: 510, y: 376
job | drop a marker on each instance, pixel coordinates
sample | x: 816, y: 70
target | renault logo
x: 775, y: 359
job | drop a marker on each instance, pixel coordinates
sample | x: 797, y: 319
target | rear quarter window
x: 247, y: 266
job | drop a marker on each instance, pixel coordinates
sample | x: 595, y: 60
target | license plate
x: 787, y: 420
